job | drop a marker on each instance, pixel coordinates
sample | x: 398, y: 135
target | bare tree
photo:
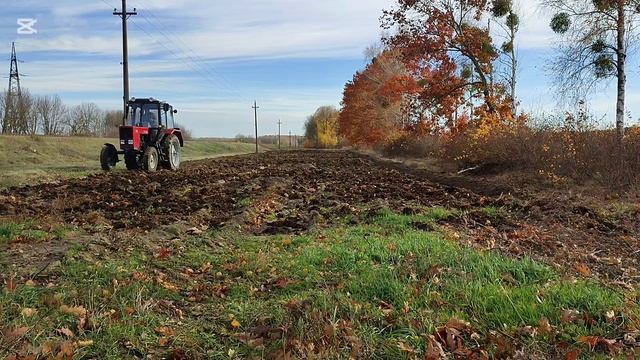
x: 597, y: 36
x: 112, y: 120
x: 3, y: 107
x: 51, y: 112
x: 85, y: 119
x: 28, y: 115
x: 506, y: 16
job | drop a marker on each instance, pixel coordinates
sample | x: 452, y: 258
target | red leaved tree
x: 373, y: 106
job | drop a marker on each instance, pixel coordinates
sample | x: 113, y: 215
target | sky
x: 212, y: 59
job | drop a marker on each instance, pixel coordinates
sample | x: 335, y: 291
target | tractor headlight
x: 130, y: 142
x: 121, y: 142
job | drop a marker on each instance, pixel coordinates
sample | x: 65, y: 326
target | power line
x: 192, y: 65
x: 167, y: 33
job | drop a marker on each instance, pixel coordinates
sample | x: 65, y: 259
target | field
x: 38, y: 159
x: 314, y: 255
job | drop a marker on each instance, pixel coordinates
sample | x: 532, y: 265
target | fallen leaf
x: 235, y: 324
x: 66, y: 332
x: 458, y: 324
x: 66, y: 350
x: 84, y: 343
x: 194, y: 231
x: 392, y: 247
x: 406, y: 309
x: 569, y: 316
x: 28, y: 312
x: 78, y: 311
x: 283, y: 283
x: 434, y: 350
x: 30, y: 283
x: 610, y: 315
x: 11, y: 285
x: 583, y: 269
x: 544, y: 327
x: 287, y: 241
x: 163, y: 341
x: 206, y: 268
x: 591, y: 341
x: 406, y: 348
x: 15, y: 334
x: 165, y: 331
x: 47, y: 348
x: 573, y: 354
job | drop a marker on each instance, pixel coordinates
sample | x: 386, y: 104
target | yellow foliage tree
x: 321, y: 128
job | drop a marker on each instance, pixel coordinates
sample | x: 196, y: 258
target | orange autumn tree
x: 437, y: 38
x: 373, y: 102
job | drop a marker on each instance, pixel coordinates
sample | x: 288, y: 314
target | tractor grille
x: 126, y: 137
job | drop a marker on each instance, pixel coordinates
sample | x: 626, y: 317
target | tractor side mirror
x: 175, y: 111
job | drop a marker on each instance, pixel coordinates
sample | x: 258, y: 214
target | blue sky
x: 290, y: 55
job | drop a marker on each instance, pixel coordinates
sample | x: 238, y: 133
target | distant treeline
x: 29, y: 114
x: 286, y: 140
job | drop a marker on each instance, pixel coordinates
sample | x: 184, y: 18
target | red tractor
x: 148, y: 138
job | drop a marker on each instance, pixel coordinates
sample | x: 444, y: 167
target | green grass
x: 10, y: 231
x: 347, y: 290
x: 35, y: 159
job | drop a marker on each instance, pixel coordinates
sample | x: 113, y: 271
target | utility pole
x: 255, y: 108
x: 289, y: 139
x: 124, y: 14
x: 14, y: 94
x: 279, y: 134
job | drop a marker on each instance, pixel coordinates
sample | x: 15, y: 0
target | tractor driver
x: 150, y: 119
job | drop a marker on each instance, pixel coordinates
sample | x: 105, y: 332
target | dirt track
x: 289, y: 192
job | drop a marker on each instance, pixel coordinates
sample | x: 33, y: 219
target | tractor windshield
x: 145, y: 115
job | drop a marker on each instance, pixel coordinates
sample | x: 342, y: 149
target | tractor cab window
x: 168, y: 115
x: 145, y: 115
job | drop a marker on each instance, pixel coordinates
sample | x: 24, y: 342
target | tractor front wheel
x: 131, y: 160
x: 108, y: 157
x: 171, y: 148
x: 150, y: 159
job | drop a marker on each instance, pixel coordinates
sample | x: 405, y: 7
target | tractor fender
x: 111, y: 146
x: 177, y: 133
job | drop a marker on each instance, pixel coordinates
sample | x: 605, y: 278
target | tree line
x: 27, y: 114
x: 449, y: 63
x: 444, y: 81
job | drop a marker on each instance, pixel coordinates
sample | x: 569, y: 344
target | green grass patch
x: 10, y: 231
x: 351, y: 290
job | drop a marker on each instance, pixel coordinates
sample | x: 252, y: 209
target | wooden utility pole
x: 255, y: 109
x: 279, y: 134
x: 124, y: 14
x: 289, y: 139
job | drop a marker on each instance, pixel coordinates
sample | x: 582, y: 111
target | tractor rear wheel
x: 150, y: 159
x: 171, y: 149
x: 131, y: 160
x: 108, y: 157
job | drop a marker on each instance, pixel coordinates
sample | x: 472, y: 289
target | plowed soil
x: 289, y: 192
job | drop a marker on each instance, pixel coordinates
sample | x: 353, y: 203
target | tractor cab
x: 148, y: 137
x: 150, y: 113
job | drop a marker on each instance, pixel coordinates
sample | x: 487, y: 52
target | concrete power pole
x: 279, y: 134
x: 255, y: 108
x: 124, y: 14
